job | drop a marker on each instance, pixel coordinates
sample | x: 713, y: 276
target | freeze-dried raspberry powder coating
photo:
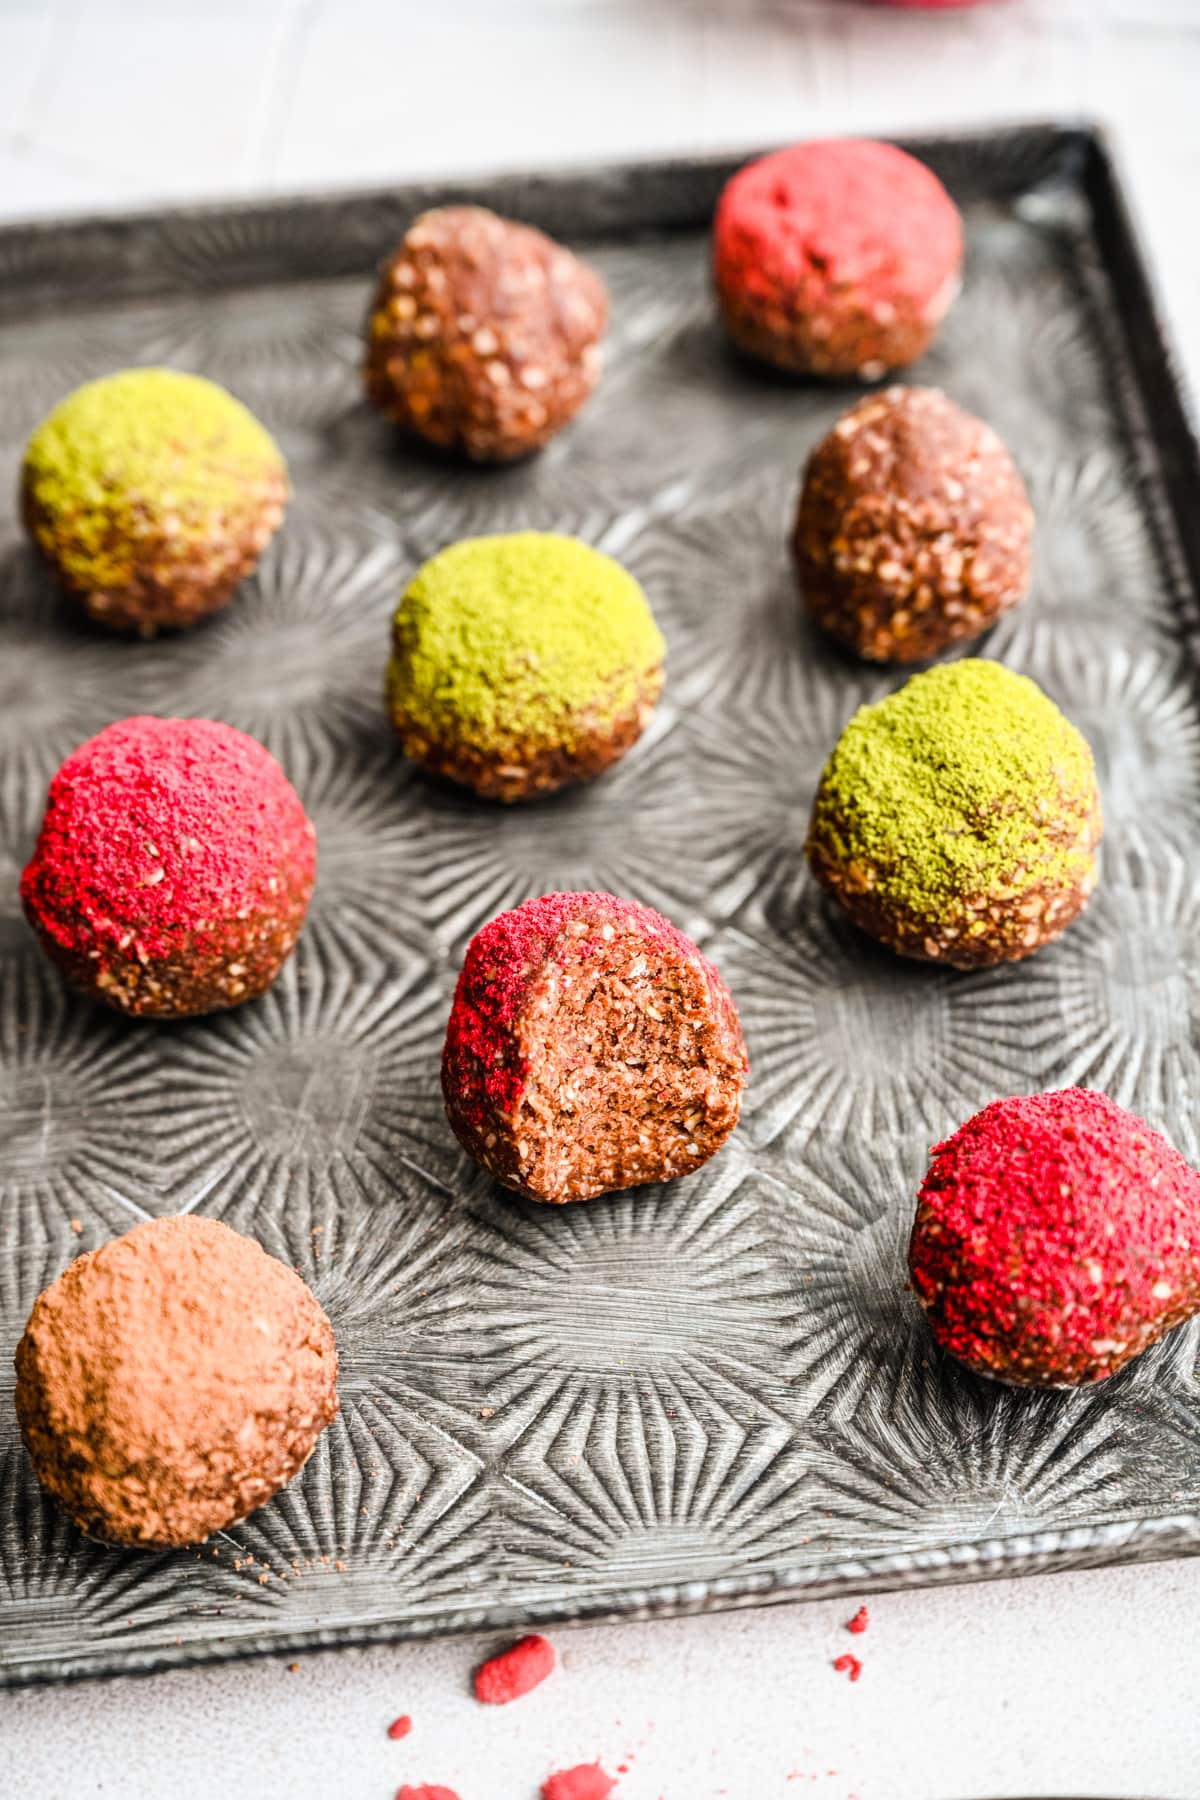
x: 837, y: 256
x: 859, y: 1622
x: 514, y: 1672
x: 425, y: 1792
x: 848, y: 1665
x: 590, y: 1047
x: 174, y: 866
x: 400, y: 1728
x: 587, y: 1781
x: 1056, y: 1237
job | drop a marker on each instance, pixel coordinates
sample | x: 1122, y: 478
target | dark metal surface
x: 714, y: 1394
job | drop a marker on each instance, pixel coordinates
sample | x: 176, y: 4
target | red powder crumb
x: 426, y: 1792
x: 859, y: 1622
x: 848, y: 1665
x: 514, y: 1672
x: 588, y: 1781
x: 400, y: 1728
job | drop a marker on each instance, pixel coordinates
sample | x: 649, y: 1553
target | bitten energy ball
x: 522, y: 663
x: 173, y: 870
x: 957, y: 820
x: 1056, y: 1237
x: 837, y: 257
x: 484, y: 335
x: 591, y: 1047
x: 152, y: 495
x: 914, y: 528
x: 172, y: 1381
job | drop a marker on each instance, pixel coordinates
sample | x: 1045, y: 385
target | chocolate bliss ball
x: 152, y: 495
x: 173, y: 1380
x: 836, y: 258
x: 590, y: 1047
x: 521, y: 663
x: 173, y: 869
x: 914, y: 529
x: 484, y: 335
x: 1055, y: 1239
x: 957, y: 821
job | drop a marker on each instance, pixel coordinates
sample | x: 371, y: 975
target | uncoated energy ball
x: 484, y: 335
x: 914, y: 529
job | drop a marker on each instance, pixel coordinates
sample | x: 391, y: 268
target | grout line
x: 277, y: 87
x: 55, y: 55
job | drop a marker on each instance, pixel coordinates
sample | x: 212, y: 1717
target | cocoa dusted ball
x: 590, y: 1047
x: 836, y: 258
x: 484, y: 335
x: 957, y: 821
x: 173, y: 869
x: 914, y: 529
x: 152, y: 495
x: 173, y: 1380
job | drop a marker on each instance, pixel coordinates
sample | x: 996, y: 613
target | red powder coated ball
x: 514, y: 1672
x: 587, y: 1781
x: 1056, y: 1237
x: 174, y: 867
x: 837, y: 257
x: 590, y: 1048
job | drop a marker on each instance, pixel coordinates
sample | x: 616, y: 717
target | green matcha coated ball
x: 152, y: 494
x: 957, y: 820
x: 522, y: 663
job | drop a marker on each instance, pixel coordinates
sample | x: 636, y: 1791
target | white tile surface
x: 1072, y: 1684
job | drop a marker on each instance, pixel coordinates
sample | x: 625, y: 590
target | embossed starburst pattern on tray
x: 702, y: 1394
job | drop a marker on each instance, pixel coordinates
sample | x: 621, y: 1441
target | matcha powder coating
x: 147, y: 451
x: 967, y: 784
x: 511, y: 644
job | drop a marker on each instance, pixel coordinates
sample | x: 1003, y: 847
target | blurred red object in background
x: 926, y: 5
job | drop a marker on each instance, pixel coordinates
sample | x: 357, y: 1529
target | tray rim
x: 1075, y: 131
x: 1084, y: 149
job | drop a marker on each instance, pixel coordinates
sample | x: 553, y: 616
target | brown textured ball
x: 484, y: 335
x: 173, y: 1380
x: 590, y: 1047
x: 914, y: 530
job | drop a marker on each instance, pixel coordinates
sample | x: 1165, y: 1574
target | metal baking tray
x: 715, y: 1393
